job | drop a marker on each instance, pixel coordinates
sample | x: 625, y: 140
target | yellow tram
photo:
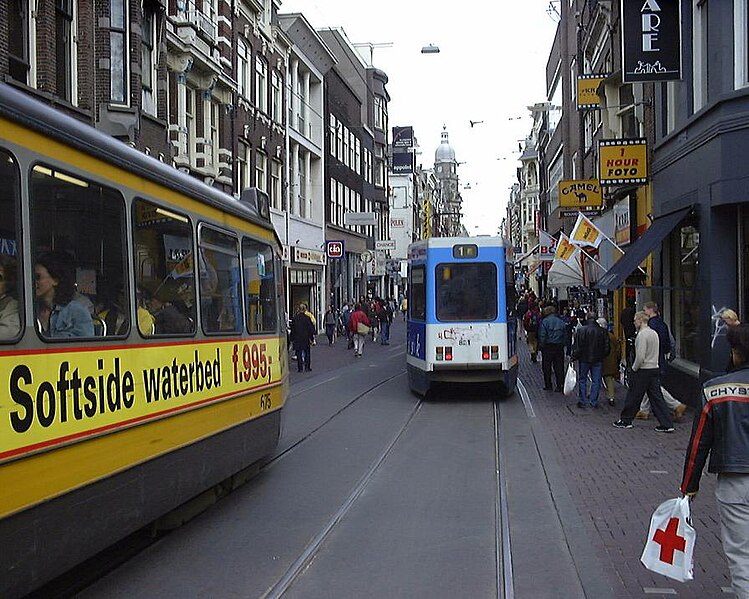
x: 142, y: 353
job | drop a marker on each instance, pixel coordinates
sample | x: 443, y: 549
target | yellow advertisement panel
x: 59, y: 397
x: 587, y: 90
x: 580, y: 194
x: 623, y: 161
x: 565, y: 249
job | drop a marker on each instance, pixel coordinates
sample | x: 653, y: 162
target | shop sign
x: 622, y: 225
x: 385, y: 244
x: 622, y: 161
x: 397, y: 223
x: 651, y: 40
x: 587, y: 90
x: 580, y: 195
x: 403, y: 137
x: 362, y: 219
x: 334, y: 249
x: 305, y: 256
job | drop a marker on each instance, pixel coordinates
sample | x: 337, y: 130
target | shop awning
x: 640, y: 250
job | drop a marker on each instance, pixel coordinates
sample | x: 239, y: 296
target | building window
x: 380, y: 113
x: 741, y: 43
x: 276, y: 97
x: 118, y: 54
x: 19, y: 34
x: 261, y: 170
x: 261, y: 84
x: 275, y: 184
x: 555, y: 99
x: 65, y: 49
x: 149, y: 60
x: 244, y: 169
x: 190, y: 131
x: 243, y: 69
x: 302, y: 185
x: 685, y: 292
x: 700, y: 53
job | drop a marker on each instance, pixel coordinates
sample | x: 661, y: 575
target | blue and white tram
x: 461, y: 320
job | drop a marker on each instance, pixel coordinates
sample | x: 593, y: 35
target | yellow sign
x: 582, y: 194
x: 585, y: 233
x: 587, y: 90
x: 564, y: 250
x: 61, y: 397
x: 623, y: 161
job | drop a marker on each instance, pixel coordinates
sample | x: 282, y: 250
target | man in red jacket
x: 721, y: 429
x: 356, y: 318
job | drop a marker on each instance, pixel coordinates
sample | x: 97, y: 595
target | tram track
x: 305, y: 558
x: 505, y: 581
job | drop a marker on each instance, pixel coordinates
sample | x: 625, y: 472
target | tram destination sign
x: 623, y: 161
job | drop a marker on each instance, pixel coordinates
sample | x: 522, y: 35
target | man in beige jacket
x: 645, y: 377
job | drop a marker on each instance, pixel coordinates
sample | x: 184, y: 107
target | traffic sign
x: 334, y: 249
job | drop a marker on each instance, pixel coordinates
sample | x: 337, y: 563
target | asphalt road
x: 374, y: 493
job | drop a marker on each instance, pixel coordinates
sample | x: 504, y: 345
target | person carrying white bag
x: 671, y: 540
x: 721, y: 429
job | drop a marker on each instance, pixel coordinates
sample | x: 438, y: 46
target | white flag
x: 585, y: 233
x: 546, y: 246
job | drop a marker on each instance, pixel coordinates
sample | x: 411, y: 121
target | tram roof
x: 35, y: 114
x: 448, y: 242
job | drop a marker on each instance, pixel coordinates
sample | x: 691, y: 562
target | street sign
x: 385, y: 244
x: 334, y: 249
x: 362, y: 219
x: 367, y: 256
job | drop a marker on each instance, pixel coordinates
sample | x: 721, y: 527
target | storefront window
x: 685, y: 295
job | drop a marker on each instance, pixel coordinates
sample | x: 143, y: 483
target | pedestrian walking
x: 404, y: 307
x: 590, y: 347
x: 329, y: 321
x: 552, y: 338
x: 611, y: 363
x: 720, y: 430
x: 665, y: 352
x: 627, y: 322
x: 730, y: 319
x: 531, y: 320
x: 358, y: 317
x: 302, y: 333
x: 645, y: 377
x: 386, y: 320
x: 314, y: 323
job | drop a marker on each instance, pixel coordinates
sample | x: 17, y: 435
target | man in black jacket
x: 720, y: 429
x: 591, y: 346
x: 302, y: 332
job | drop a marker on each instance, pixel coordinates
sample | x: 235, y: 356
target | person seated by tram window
x: 109, y: 308
x: 59, y: 314
x: 167, y: 318
x: 10, y: 318
x: 146, y: 321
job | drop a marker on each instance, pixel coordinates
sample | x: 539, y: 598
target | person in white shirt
x: 645, y: 377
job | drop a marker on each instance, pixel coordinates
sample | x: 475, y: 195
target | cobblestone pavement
x: 617, y: 477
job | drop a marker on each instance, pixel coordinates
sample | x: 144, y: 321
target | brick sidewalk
x: 617, y: 478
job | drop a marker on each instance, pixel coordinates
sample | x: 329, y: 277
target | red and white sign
x: 334, y: 249
x: 397, y: 223
x: 547, y: 246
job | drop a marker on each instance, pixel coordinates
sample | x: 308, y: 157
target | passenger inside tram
x: 160, y: 299
x: 10, y: 318
x: 59, y: 314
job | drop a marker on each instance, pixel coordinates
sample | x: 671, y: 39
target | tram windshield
x: 466, y: 291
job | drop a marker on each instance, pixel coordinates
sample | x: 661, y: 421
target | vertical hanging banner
x: 651, y: 40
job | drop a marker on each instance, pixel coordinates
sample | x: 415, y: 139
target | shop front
x: 306, y: 278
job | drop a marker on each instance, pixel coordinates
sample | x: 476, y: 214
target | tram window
x: 466, y: 291
x: 218, y: 269
x: 260, y: 286
x: 10, y: 274
x: 164, y: 272
x: 79, y: 250
x: 417, y: 304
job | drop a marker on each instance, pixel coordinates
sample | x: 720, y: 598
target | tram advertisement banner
x: 623, y: 161
x: 61, y: 397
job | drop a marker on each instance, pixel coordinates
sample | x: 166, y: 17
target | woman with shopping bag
x: 720, y: 430
x: 359, y: 327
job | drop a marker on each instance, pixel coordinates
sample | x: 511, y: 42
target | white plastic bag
x: 570, y: 380
x: 671, y: 539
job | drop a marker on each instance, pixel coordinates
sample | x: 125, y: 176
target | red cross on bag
x: 671, y: 539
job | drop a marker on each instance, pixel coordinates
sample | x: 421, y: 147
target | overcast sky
x: 491, y: 68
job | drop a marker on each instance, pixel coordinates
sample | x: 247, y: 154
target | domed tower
x: 446, y: 172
